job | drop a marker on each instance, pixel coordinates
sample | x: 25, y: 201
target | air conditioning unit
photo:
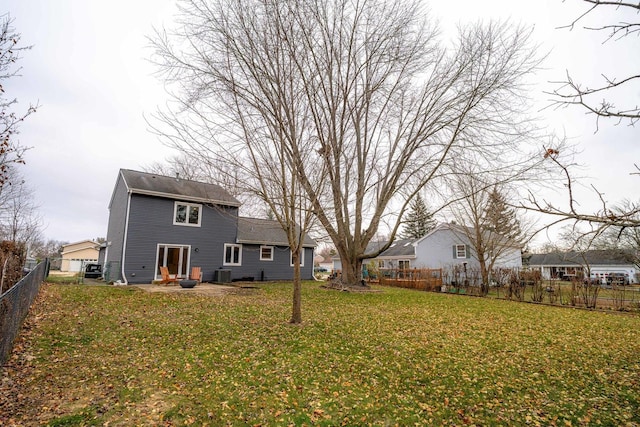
x: 222, y: 276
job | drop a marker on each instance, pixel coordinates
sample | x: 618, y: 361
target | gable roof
x: 403, y: 248
x: 463, y: 230
x: 594, y: 257
x: 265, y: 232
x: 79, y: 246
x: 176, y: 188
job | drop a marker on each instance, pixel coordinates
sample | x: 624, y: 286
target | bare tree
x: 51, y: 248
x: 230, y: 111
x: 11, y: 152
x: 619, y: 216
x: 190, y: 165
x: 600, y: 100
x: 360, y: 95
x: 491, y: 226
x: 20, y: 221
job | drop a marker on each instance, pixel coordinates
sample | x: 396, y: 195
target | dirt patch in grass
x: 205, y: 289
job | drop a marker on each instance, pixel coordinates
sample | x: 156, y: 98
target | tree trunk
x: 351, y: 270
x: 296, y: 315
x: 484, y: 272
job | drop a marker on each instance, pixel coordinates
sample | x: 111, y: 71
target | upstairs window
x: 188, y: 214
x: 460, y: 251
x: 232, y: 254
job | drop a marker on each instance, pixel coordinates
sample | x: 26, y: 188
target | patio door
x: 175, y: 258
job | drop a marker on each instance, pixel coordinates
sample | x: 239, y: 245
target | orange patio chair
x: 166, y: 277
x: 196, y: 274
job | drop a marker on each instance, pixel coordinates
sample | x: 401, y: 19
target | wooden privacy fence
x: 424, y: 279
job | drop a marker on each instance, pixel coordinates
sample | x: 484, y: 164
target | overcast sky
x: 89, y: 72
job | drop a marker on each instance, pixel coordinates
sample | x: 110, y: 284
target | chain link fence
x: 14, y: 306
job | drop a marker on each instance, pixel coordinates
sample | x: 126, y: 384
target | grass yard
x: 103, y: 355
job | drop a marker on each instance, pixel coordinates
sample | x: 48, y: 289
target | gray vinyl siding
x: 278, y: 269
x: 151, y: 223
x: 436, y: 250
x: 115, y: 231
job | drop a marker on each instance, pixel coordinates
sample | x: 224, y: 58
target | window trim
x: 301, y: 257
x: 403, y: 261
x: 224, y: 254
x: 464, y: 252
x: 271, y: 253
x: 189, y: 206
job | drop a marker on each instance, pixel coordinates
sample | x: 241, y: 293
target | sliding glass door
x: 175, y: 258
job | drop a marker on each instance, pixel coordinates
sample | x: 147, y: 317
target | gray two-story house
x: 157, y: 221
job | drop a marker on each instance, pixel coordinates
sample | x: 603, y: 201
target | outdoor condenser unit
x: 222, y: 276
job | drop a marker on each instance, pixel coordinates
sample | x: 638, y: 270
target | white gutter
x: 124, y: 242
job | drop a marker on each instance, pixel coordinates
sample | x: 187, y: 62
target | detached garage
x: 76, y: 255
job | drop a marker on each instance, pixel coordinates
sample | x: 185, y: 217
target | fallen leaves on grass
x: 114, y: 356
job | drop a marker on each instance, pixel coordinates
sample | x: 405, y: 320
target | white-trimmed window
x: 266, y: 253
x: 460, y: 251
x: 188, y: 214
x: 232, y: 254
x: 301, y: 257
x: 404, y: 264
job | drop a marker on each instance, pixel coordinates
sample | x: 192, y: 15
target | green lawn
x: 103, y: 355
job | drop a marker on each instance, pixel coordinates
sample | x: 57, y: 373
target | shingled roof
x: 400, y: 248
x: 176, y: 188
x: 265, y: 232
x: 594, y: 257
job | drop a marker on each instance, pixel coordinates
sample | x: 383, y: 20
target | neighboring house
x: 601, y: 263
x: 157, y: 221
x: 448, y: 245
x: 76, y: 255
x: 323, y: 262
x: 401, y: 255
x: 444, y: 247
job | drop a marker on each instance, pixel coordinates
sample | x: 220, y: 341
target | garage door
x: 75, y: 265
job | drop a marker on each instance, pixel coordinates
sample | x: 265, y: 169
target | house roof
x: 176, y: 188
x: 79, y: 246
x: 594, y: 257
x: 402, y: 248
x: 265, y: 232
x: 463, y: 230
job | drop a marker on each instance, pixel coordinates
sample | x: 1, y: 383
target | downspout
x: 124, y: 242
x: 313, y: 266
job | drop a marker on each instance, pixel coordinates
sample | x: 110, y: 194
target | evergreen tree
x: 500, y: 219
x: 419, y: 220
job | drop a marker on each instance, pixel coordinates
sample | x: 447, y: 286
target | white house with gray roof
x: 158, y: 221
x: 446, y: 246
x: 599, y: 263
